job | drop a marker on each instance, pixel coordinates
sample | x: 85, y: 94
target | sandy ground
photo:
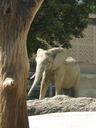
x: 64, y: 120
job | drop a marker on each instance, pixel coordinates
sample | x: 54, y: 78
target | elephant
x: 54, y: 67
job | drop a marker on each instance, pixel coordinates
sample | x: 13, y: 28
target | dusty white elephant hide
x: 54, y: 67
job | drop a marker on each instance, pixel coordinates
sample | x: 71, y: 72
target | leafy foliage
x: 57, y: 23
x: 92, y: 6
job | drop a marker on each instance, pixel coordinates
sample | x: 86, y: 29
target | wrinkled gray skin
x: 50, y: 67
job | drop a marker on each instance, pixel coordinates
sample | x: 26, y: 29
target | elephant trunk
x: 38, y: 75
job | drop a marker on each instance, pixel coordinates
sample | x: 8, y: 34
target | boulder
x: 60, y: 103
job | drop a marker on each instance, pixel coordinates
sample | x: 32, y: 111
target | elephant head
x: 44, y: 61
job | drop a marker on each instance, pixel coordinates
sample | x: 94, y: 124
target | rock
x: 60, y: 103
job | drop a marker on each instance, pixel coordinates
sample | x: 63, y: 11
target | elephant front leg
x: 43, y: 88
x: 58, y: 86
x: 57, y: 89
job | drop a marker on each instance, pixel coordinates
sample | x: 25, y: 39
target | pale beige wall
x: 87, y: 68
x: 88, y: 85
x: 84, y: 50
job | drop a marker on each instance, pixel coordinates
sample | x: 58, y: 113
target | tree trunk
x: 15, y: 19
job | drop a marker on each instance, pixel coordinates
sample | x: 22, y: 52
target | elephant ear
x: 57, y: 55
x: 54, y: 51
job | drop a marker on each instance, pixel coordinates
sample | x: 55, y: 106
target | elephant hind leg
x: 65, y: 91
x: 72, y: 92
x: 69, y: 92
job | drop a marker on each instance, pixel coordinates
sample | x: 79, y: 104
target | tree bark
x: 16, y: 17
